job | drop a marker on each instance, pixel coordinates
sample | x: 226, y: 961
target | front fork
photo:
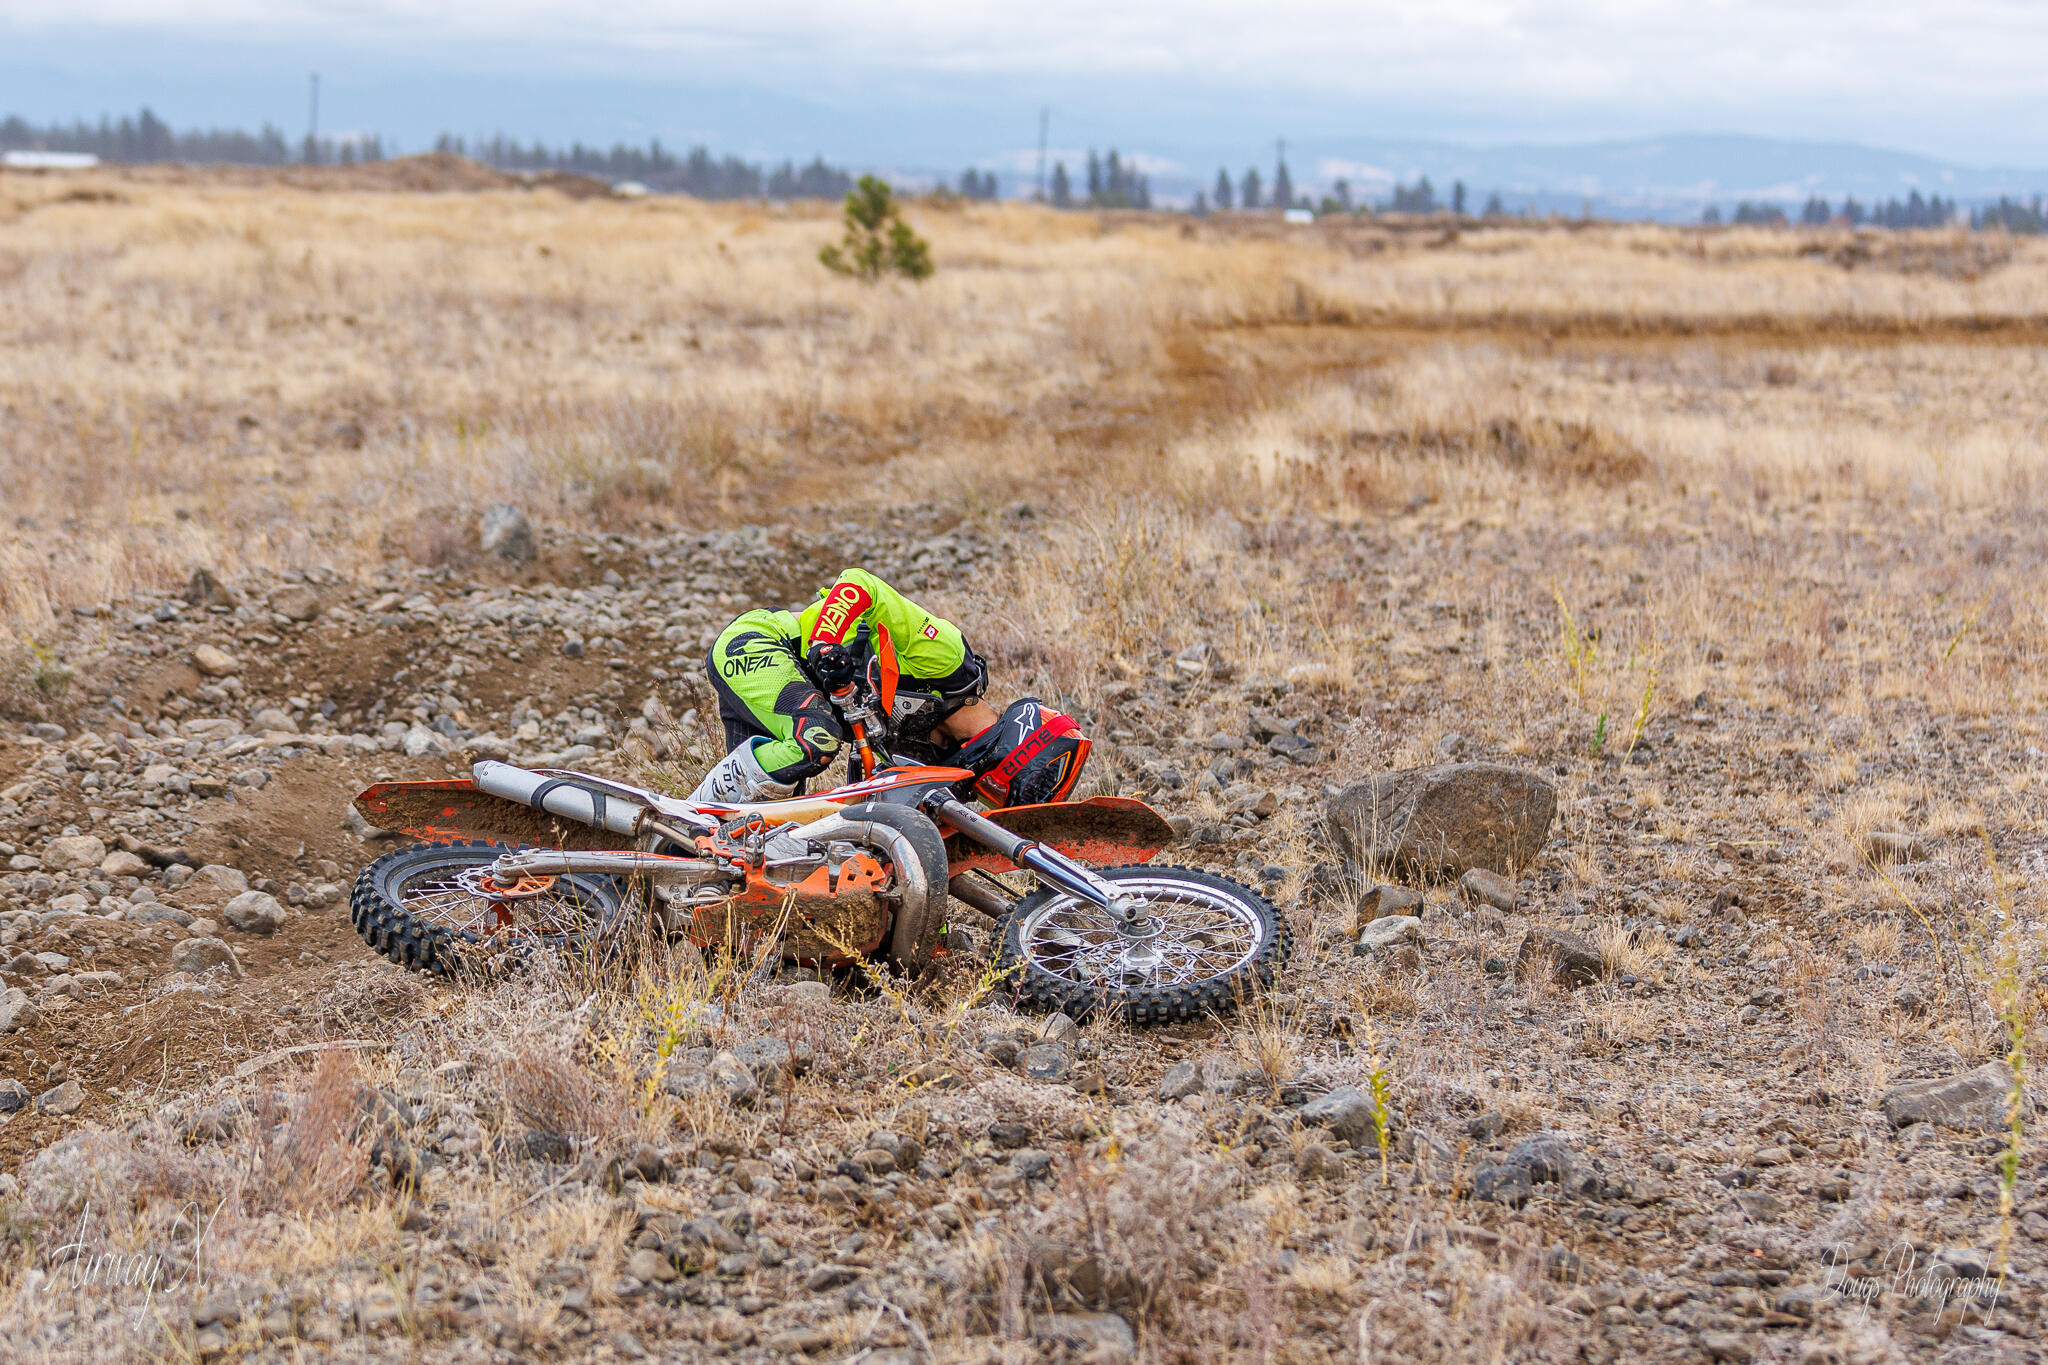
x: 1056, y: 868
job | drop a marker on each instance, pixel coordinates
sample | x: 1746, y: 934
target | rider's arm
x: 927, y: 646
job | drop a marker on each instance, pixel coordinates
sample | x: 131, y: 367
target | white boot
x: 739, y: 777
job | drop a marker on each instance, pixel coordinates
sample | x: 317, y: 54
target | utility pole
x: 1044, y: 119
x: 313, y: 122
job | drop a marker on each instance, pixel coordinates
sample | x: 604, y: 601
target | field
x: 1735, y: 537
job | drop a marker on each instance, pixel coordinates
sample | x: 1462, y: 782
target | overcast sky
x: 1961, y: 79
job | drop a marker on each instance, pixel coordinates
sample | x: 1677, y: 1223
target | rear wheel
x: 1210, y: 940
x: 434, y: 908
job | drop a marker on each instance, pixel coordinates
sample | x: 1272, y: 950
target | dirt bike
x: 521, y: 860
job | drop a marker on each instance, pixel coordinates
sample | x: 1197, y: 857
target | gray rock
x: 122, y: 863
x: 1393, y: 929
x: 214, y: 661
x: 1101, y: 1338
x: 63, y: 1099
x: 1348, y: 1113
x: 1546, y: 1156
x: 1543, y: 1159
x: 1488, y: 888
x: 1445, y: 820
x: 505, y: 532
x: 271, y: 718
x: 1501, y: 1183
x: 1880, y: 847
x: 17, y: 1011
x: 1181, y: 1080
x: 254, y: 912
x: 1031, y: 1162
x: 1059, y: 1028
x: 217, y: 882
x: 156, y: 913
x: 13, y: 1096
x: 207, y: 591
x: 1048, y: 1062
x: 1569, y: 958
x: 197, y: 956
x: 1974, y: 1101
x: 298, y: 603
x: 1387, y: 900
x: 76, y: 852
x: 772, y: 1058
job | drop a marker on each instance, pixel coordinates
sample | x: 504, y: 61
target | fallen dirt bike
x: 523, y: 860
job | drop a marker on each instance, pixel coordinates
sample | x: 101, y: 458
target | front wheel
x: 433, y: 907
x: 1210, y: 941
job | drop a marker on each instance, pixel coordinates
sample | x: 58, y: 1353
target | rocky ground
x: 1695, y: 1083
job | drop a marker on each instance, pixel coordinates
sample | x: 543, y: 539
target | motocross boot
x: 739, y: 777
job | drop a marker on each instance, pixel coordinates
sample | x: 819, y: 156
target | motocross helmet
x: 1032, y: 754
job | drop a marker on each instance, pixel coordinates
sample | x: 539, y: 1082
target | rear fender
x: 1103, y: 831
x: 445, y: 812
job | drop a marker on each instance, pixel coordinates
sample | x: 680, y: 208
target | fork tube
x: 1049, y: 864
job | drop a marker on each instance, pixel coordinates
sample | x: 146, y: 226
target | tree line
x: 696, y: 172
x: 1914, y: 211
x: 146, y: 138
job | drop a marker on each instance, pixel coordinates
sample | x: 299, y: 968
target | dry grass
x: 1734, y: 535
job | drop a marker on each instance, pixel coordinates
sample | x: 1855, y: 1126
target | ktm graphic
x: 843, y: 606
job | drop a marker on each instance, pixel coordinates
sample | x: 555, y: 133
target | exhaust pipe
x: 560, y: 796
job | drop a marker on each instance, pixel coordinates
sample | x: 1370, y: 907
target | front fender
x: 1102, y: 831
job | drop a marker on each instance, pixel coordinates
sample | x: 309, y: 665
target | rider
x: 775, y: 673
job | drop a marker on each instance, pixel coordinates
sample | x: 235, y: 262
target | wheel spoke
x: 1198, y: 935
x: 437, y: 896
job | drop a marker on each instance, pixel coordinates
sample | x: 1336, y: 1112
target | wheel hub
x: 479, y: 882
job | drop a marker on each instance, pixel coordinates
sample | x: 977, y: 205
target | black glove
x: 832, y: 665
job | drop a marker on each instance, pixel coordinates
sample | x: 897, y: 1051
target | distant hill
x: 1660, y: 177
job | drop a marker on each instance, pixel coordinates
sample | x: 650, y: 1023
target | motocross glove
x: 832, y: 665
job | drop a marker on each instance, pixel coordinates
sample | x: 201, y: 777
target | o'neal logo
x: 735, y: 665
x: 843, y: 605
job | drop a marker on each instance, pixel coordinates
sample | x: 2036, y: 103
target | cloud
x: 1646, y: 53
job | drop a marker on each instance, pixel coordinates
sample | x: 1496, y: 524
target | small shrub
x: 877, y: 242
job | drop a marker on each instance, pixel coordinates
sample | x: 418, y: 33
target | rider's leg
x: 780, y: 728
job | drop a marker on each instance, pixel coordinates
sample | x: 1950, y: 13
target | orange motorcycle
x: 517, y: 861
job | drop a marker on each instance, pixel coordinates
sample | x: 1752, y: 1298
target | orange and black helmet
x: 1033, y: 754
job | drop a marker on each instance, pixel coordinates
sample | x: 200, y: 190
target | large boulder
x: 1975, y: 1100
x: 1443, y: 821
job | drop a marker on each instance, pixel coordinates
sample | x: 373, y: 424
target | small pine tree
x: 1343, y: 196
x: 1283, y: 188
x: 1223, y: 191
x: 1493, y: 207
x: 1062, y: 188
x: 1252, y: 195
x: 877, y: 240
